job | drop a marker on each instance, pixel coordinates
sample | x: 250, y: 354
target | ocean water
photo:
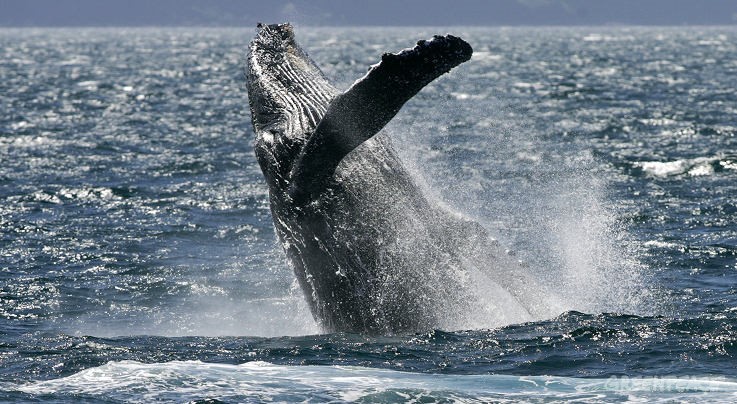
x: 138, y: 261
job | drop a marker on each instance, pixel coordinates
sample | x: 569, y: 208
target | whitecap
x: 699, y: 166
x: 89, y: 84
x: 486, y: 56
x: 660, y: 244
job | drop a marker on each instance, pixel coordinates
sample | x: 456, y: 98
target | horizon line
x: 146, y: 26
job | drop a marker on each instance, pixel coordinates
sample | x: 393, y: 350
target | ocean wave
x: 262, y: 381
x: 700, y: 166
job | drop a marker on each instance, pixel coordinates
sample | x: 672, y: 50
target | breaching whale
x: 371, y: 252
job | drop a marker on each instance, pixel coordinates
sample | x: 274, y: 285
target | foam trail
x: 260, y: 381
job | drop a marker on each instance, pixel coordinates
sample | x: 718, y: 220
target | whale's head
x: 287, y: 93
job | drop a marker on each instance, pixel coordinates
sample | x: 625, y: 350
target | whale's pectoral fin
x: 369, y: 104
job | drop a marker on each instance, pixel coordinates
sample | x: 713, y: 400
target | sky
x: 61, y: 13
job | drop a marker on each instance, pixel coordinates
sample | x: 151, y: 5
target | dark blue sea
x: 139, y: 263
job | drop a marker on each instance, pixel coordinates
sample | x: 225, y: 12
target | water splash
x: 597, y: 269
x: 546, y: 201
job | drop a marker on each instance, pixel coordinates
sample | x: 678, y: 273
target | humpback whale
x: 371, y: 252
